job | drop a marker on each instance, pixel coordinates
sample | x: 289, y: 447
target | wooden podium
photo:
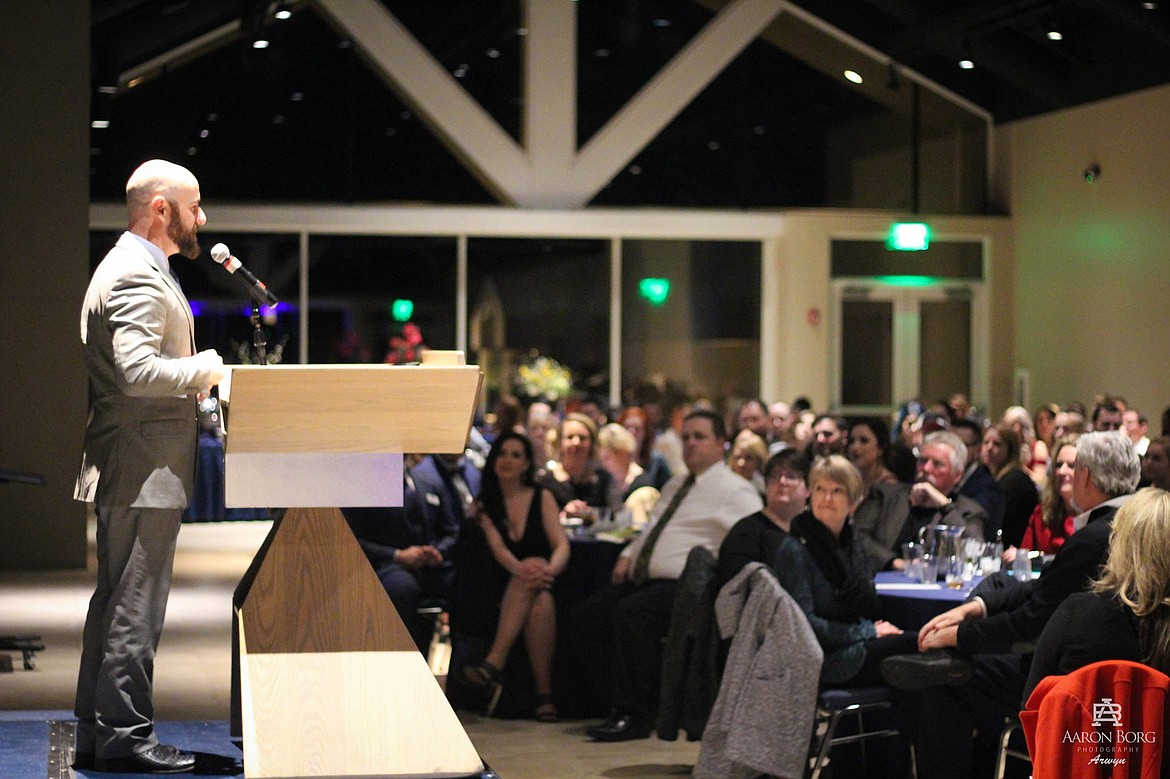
x: 326, y: 679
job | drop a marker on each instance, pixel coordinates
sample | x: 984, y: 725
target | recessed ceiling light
x: 1150, y: 6
x: 107, y: 90
x: 661, y: 22
x: 635, y: 170
x: 204, y: 133
x: 966, y: 64
x: 759, y: 129
x: 493, y: 53
x: 1055, y: 35
x: 100, y: 124
x: 713, y: 145
x: 283, y: 14
x: 461, y: 71
x: 601, y: 53
x: 192, y: 151
x: 854, y: 76
x: 260, y: 43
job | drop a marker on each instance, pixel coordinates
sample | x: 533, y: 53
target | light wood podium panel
x: 327, y: 680
x: 334, y: 435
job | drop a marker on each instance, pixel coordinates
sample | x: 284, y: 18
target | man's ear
x: 158, y: 205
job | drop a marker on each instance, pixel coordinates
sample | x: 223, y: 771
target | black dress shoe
x: 931, y: 668
x: 159, y: 759
x: 620, y: 727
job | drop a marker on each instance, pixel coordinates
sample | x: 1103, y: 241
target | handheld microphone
x: 256, y: 288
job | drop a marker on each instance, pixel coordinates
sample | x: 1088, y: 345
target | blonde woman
x: 1126, y: 613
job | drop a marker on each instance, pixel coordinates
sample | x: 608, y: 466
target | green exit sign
x: 909, y: 237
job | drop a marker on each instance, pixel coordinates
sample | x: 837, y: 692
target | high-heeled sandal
x: 481, y: 676
x: 546, y: 710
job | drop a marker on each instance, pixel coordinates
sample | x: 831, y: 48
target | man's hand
x: 620, y: 570
x: 926, y: 494
x: 413, y: 557
x: 210, y: 361
x: 883, y: 629
x: 943, y: 630
x: 581, y: 510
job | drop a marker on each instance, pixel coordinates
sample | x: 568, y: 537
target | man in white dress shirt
x: 619, y: 629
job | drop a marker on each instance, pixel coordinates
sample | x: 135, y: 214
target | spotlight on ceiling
x: 966, y: 64
x: 260, y: 43
x: 854, y: 76
x: 283, y: 10
x: 1055, y: 35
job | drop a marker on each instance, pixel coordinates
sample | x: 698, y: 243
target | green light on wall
x: 908, y: 281
x: 654, y: 290
x: 908, y: 237
x: 402, y: 310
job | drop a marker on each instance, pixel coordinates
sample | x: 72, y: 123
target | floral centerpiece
x: 543, y: 377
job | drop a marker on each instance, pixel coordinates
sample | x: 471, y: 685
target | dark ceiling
x: 306, y: 120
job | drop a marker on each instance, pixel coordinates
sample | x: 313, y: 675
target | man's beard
x: 186, y: 240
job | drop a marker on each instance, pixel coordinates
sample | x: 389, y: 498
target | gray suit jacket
x: 138, y: 337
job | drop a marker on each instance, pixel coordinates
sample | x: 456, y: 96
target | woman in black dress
x: 519, y: 520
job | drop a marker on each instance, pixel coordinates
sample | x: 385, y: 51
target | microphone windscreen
x: 220, y: 252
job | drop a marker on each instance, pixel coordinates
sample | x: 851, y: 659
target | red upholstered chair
x: 1106, y: 719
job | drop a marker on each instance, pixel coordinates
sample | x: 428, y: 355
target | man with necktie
x: 138, y: 464
x: 620, y: 628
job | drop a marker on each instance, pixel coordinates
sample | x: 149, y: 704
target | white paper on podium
x: 312, y: 480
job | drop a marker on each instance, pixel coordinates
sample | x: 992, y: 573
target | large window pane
x: 354, y: 282
x: 544, y: 296
x: 704, y: 339
x: 945, y: 347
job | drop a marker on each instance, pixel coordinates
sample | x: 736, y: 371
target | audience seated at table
x: 618, y: 631
x: 1125, y: 615
x: 893, y: 514
x: 756, y: 537
x: 828, y: 575
x: 994, y: 632
x: 1052, y: 520
x: 581, y: 487
x: 978, y: 482
x: 1034, y: 450
x: 999, y: 453
x: 868, y: 448
x: 637, y: 420
x: 519, y: 521
x: 410, y: 546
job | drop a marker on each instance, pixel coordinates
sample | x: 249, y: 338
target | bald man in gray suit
x: 138, y: 465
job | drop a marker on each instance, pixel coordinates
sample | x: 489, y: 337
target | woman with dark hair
x: 1052, y: 521
x: 1126, y: 613
x: 868, y: 449
x: 1000, y: 453
x: 828, y: 575
x: 637, y: 421
x: 519, y: 520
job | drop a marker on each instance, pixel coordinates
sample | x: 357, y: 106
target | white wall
x: 1093, y: 276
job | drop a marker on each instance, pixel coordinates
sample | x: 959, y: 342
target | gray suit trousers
x: 114, y: 707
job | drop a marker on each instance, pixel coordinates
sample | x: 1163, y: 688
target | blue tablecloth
x: 207, y: 499
x: 909, y: 604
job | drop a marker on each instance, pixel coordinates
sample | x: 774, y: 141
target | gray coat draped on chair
x: 762, y: 720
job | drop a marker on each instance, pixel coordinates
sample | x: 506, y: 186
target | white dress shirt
x: 719, y: 499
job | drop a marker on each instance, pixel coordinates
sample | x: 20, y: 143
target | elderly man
x: 998, y: 625
x: 896, y: 513
x: 138, y: 466
x: 619, y: 629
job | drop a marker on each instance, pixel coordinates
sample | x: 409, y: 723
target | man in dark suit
x: 138, y: 465
x: 893, y: 514
x: 998, y: 626
x: 411, y: 546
